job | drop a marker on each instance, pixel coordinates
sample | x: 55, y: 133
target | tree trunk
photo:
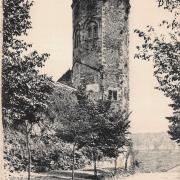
x: 95, y: 166
x: 29, y: 152
x: 74, y: 146
x: 133, y: 161
x: 126, y: 162
x: 115, y: 165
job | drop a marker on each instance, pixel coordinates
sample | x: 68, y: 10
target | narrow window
x: 92, y: 30
x: 102, y: 75
x: 77, y: 40
x: 115, y: 95
x: 95, y: 32
x: 110, y: 95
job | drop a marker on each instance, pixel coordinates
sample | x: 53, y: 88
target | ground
x: 173, y: 174
x: 154, y: 165
x: 154, y: 176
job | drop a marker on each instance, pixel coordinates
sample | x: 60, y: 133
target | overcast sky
x: 52, y: 33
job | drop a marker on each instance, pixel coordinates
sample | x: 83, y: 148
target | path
x: 173, y: 174
x: 154, y: 176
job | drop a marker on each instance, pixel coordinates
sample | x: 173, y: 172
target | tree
x: 130, y: 152
x: 108, y: 130
x: 164, y: 50
x: 117, y: 125
x: 168, y: 4
x: 67, y: 121
x: 25, y: 93
x: 71, y: 132
x: 81, y: 124
x: 84, y: 123
x: 96, y: 112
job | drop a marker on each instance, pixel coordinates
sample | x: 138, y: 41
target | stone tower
x: 100, y: 49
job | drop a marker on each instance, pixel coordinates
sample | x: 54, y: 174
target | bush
x: 48, y: 153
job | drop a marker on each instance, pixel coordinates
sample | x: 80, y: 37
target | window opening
x: 112, y: 95
x: 92, y: 30
x: 77, y: 39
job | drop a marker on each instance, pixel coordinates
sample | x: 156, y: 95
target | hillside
x: 155, y: 152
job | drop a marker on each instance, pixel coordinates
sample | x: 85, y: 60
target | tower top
x: 126, y: 2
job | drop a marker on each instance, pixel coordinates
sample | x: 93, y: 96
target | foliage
x: 117, y: 126
x: 95, y: 113
x: 67, y: 122
x: 168, y: 4
x: 16, y: 19
x: 49, y: 153
x: 164, y: 50
x: 14, y: 151
x: 25, y: 92
x: 86, y: 126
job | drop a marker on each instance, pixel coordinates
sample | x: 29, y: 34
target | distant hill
x: 154, y: 141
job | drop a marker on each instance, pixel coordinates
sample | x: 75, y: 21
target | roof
x: 61, y: 86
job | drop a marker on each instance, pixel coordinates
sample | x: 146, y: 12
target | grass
x: 158, y: 161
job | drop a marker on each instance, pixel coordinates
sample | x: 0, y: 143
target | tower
x: 100, y: 49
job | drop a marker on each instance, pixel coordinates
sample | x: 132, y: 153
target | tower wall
x: 87, y: 51
x: 100, y: 56
x: 115, y: 61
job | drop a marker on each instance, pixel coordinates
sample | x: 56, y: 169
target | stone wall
x: 115, y: 50
x: 87, y: 54
x: 101, y: 58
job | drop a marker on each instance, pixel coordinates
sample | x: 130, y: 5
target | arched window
x: 92, y: 30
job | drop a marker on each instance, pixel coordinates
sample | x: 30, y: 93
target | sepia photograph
x: 90, y: 90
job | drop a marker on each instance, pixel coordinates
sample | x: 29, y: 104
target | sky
x: 52, y: 33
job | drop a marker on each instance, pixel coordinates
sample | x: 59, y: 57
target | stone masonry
x: 100, y: 49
